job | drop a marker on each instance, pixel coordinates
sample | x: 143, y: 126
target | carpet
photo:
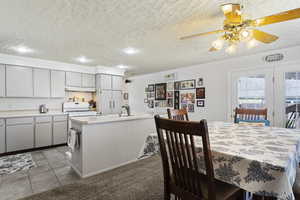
x: 141, y: 180
x: 14, y: 163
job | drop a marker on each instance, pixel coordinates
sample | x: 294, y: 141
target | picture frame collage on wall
x: 177, y: 94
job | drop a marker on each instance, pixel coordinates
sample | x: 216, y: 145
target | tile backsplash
x: 11, y: 104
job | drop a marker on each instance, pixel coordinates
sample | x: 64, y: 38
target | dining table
x: 259, y: 159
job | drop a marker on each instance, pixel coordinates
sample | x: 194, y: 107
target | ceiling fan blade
x: 263, y: 36
x: 202, y: 34
x: 232, y: 13
x: 213, y: 49
x: 276, y: 18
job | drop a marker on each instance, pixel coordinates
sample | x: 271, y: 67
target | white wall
x: 216, y: 80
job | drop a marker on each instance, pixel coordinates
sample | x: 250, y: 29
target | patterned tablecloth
x: 261, y: 160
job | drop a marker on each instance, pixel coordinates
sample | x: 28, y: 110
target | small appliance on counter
x: 78, y: 109
x: 43, y: 108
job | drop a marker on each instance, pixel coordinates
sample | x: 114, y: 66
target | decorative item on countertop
x: 170, y: 94
x: 43, y: 108
x: 187, y: 84
x: 150, y: 103
x: 160, y: 91
x: 200, y: 93
x: 200, y: 103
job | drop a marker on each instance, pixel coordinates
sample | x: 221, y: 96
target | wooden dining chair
x: 250, y: 114
x: 180, y: 114
x: 182, y: 176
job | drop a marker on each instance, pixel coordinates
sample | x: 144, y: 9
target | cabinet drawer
x: 60, y: 118
x: 43, y: 119
x: 22, y: 120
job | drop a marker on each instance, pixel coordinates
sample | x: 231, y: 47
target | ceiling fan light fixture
x: 226, y: 8
x: 252, y: 43
x: 218, y: 44
x: 245, y: 34
x: 231, y: 49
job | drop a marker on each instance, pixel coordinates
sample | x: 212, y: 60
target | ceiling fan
x: 237, y: 29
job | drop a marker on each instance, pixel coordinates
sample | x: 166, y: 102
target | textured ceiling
x: 99, y: 29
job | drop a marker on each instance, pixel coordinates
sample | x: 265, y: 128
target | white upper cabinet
x: 19, y: 81
x: 117, y: 82
x: 116, y: 102
x: 73, y: 79
x: 58, y: 84
x: 2, y: 80
x: 106, y: 82
x: 88, y: 80
x: 41, y: 82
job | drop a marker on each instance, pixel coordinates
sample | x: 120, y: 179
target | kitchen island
x: 107, y: 142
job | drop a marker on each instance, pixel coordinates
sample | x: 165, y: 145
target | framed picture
x: 148, y: 95
x: 183, y: 106
x: 170, y: 86
x: 177, y: 85
x: 125, y: 96
x: 146, y: 89
x: 199, y: 82
x: 163, y: 104
x: 170, y: 103
x: 157, y: 104
x: 170, y: 94
x: 150, y: 104
x: 188, y: 84
x: 160, y: 91
x: 176, y: 100
x: 200, y: 103
x: 200, y: 93
x: 151, y: 88
x: 191, y: 108
x: 151, y: 94
x: 187, y: 97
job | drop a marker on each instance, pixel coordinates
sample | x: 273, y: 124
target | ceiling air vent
x: 274, y: 57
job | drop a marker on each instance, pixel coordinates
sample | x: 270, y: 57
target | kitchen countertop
x: 26, y: 113
x: 109, y: 118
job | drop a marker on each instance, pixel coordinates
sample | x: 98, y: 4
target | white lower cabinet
x: 19, y: 137
x: 2, y: 136
x: 60, y: 129
x: 43, y: 134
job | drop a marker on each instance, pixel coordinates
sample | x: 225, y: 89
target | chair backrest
x: 250, y: 114
x: 180, y: 114
x: 178, y: 153
x: 293, y: 113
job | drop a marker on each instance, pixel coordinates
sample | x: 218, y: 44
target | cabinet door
x: 2, y: 80
x: 117, y: 82
x: 43, y: 134
x: 58, y: 84
x: 106, y: 102
x: 2, y: 136
x: 116, y: 101
x: 73, y: 79
x: 60, y: 132
x: 88, y: 80
x: 106, y: 82
x: 19, y: 137
x: 19, y: 82
x: 41, y: 82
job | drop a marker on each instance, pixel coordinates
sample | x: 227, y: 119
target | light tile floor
x: 52, y: 171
